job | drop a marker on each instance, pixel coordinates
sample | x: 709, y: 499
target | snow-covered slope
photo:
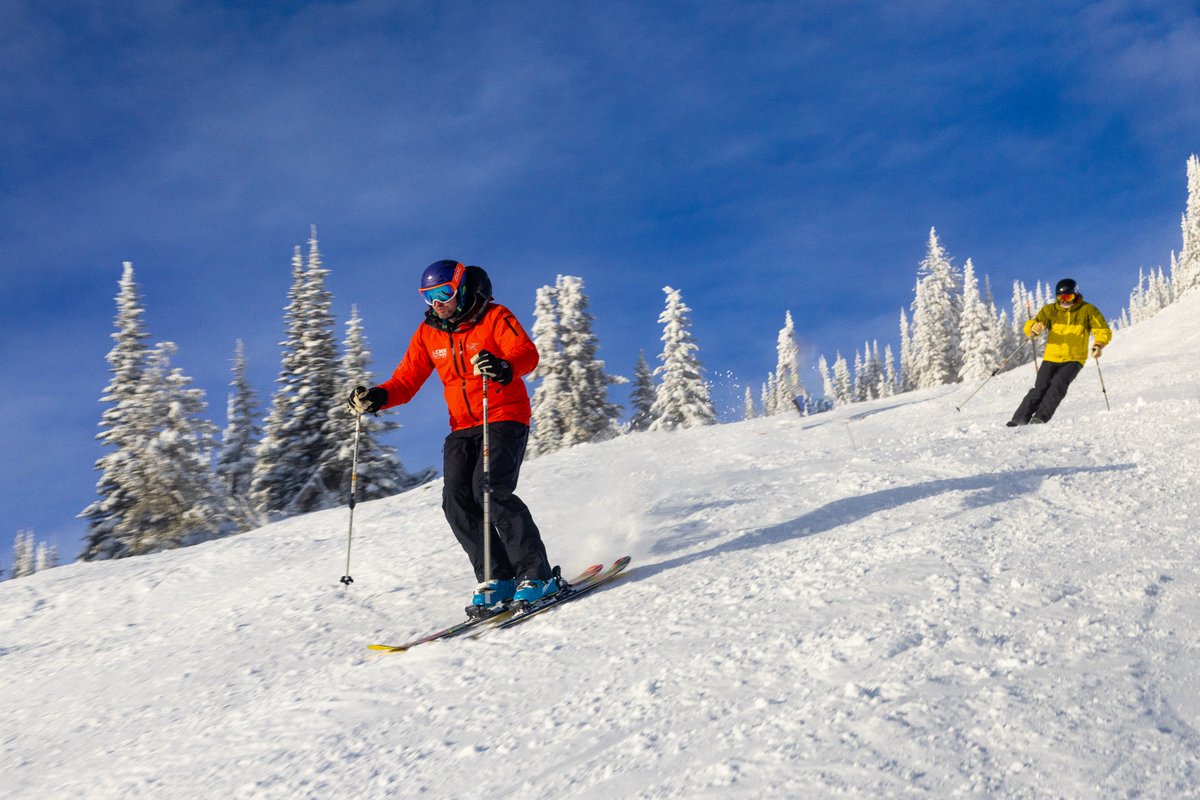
x: 894, y: 599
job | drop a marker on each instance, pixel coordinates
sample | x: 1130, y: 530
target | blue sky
x: 760, y: 156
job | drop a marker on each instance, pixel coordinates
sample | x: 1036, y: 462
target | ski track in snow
x: 896, y: 599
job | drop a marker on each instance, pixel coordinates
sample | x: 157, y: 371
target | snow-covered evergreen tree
x: 1043, y: 296
x: 878, y: 376
x: 122, y: 425
x: 789, y: 389
x: 1161, y: 288
x: 891, y: 381
x: 827, y: 385
x: 298, y: 430
x: 276, y: 478
x: 903, y: 381
x: 181, y: 501
x: 769, y: 393
x: 588, y: 414
x: 235, y: 461
x: 46, y: 557
x: 323, y: 390
x: 860, y: 382
x: 1024, y: 308
x: 843, y: 383
x: 23, y: 555
x: 868, y: 373
x: 1005, y: 338
x: 1186, y: 275
x: 549, y: 402
x: 643, y: 395
x: 937, y: 309
x: 683, y: 399
x: 977, y: 335
x: 748, y: 410
x: 1137, y: 297
x: 1152, y: 294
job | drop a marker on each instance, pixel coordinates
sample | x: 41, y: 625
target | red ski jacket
x: 450, y: 353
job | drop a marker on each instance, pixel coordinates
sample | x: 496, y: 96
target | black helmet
x: 1066, y: 286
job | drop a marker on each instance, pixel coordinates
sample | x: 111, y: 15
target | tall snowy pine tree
x: 235, y: 461
x: 23, y: 557
x: 937, y: 309
x: 843, y: 383
x: 790, y: 394
x: 1186, y: 275
x: 682, y: 399
x: 548, y: 418
x: 122, y: 425
x: 589, y: 416
x: 180, y: 501
x: 276, y: 478
x: 643, y: 395
x: 298, y: 429
x: 977, y: 334
x: 46, y: 557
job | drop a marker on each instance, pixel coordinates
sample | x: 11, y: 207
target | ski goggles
x: 442, y: 292
x: 1068, y: 297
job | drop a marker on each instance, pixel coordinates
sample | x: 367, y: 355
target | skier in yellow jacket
x: 1070, y: 322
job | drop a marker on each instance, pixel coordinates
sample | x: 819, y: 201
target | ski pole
x: 1102, y: 387
x: 487, y: 499
x: 1032, y: 339
x: 995, y: 372
x: 346, y: 579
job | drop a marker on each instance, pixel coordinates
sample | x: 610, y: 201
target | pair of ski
x: 590, y: 579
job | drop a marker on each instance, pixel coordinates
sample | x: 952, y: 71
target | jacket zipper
x: 457, y: 354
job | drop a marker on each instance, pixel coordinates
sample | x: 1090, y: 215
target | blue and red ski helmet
x: 441, y: 280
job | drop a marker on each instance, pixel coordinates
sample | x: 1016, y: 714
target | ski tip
x: 386, y: 648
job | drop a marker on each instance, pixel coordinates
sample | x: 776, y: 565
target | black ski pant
x: 517, y: 549
x: 1053, y: 379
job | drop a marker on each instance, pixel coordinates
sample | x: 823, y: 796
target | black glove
x: 366, y: 401
x: 492, y: 367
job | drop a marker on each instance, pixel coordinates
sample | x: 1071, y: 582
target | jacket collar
x: 461, y: 321
x: 1074, y: 305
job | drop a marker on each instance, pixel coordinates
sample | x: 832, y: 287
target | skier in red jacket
x: 464, y: 337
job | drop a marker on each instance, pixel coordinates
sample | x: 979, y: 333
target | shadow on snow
x: 988, y: 489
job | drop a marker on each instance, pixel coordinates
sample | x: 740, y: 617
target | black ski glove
x: 492, y: 367
x: 366, y: 401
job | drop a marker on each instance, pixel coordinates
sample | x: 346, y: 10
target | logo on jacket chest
x: 442, y: 353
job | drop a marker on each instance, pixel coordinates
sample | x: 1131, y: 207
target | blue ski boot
x: 490, y: 597
x: 531, y: 591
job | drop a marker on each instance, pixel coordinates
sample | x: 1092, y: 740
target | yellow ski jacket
x: 1069, y: 329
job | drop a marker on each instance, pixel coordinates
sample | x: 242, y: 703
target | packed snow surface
x: 896, y: 598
